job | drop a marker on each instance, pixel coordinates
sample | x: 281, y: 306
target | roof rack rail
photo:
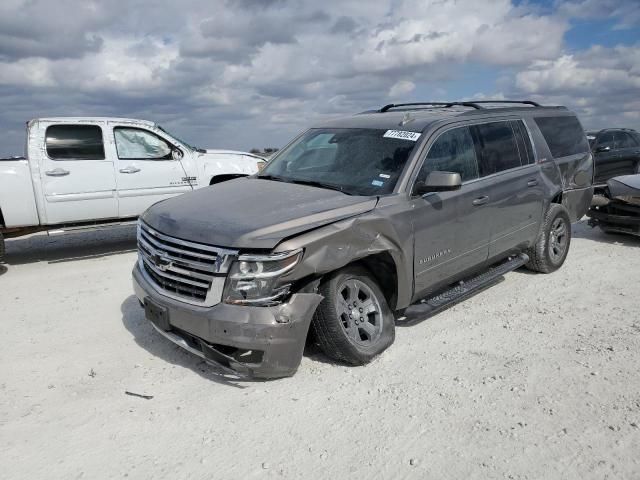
x: 386, y: 108
x: 523, y: 102
x: 618, y: 128
x: 473, y: 104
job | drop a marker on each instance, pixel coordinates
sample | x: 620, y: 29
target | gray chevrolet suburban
x: 361, y: 223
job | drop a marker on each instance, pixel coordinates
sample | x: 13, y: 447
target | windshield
x: 179, y: 139
x: 355, y: 161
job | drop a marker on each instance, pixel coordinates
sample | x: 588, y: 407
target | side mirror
x: 176, y: 154
x: 438, y: 182
x: 603, y: 149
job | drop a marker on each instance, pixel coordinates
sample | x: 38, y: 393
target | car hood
x: 624, y: 186
x: 250, y: 213
x: 228, y: 162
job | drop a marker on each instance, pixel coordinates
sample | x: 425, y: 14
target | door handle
x: 57, y: 172
x: 532, y: 183
x: 129, y: 170
x: 480, y: 200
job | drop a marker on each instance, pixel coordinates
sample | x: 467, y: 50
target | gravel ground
x: 534, y: 378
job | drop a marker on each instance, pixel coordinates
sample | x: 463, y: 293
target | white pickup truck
x: 81, y: 173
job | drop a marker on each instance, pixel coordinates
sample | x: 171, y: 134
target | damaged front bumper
x: 616, y: 217
x: 252, y: 342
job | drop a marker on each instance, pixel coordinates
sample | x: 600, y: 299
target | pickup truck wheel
x: 551, y: 249
x: 353, y: 323
x: 1, y: 248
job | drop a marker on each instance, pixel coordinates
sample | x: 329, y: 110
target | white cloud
x: 602, y: 84
x: 625, y: 12
x: 115, y: 66
x: 400, y: 88
x: 596, y: 71
x: 233, y: 73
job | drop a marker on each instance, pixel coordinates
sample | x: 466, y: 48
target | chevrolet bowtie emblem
x: 162, y: 261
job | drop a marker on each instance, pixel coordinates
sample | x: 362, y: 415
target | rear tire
x: 2, y: 250
x: 353, y: 323
x: 551, y: 249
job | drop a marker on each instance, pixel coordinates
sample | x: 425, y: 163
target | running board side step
x: 429, y: 306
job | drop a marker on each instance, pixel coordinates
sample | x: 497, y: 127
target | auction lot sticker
x: 402, y: 135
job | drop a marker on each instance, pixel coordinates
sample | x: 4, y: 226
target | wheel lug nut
x: 360, y: 310
x: 361, y: 319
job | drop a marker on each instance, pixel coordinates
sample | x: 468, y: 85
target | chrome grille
x: 186, y: 271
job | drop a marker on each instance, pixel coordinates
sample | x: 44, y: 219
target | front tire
x: 353, y: 323
x: 551, y: 249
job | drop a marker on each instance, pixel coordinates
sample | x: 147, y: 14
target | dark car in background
x: 616, y: 151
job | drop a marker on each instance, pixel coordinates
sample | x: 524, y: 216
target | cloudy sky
x: 252, y: 73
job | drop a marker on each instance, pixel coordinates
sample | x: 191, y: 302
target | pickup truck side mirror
x: 603, y: 149
x: 176, y: 154
x: 438, y: 182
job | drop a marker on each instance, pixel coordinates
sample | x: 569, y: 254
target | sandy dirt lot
x: 535, y: 378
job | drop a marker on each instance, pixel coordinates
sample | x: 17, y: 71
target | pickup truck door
x: 148, y: 169
x: 452, y: 229
x: 77, y: 178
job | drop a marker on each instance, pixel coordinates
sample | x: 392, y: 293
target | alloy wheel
x: 359, y: 311
x: 558, y: 239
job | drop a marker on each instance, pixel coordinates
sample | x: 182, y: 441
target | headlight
x: 257, y: 279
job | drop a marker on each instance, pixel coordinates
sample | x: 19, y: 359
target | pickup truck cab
x: 80, y: 171
x: 382, y: 217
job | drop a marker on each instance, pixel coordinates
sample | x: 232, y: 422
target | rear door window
x: 453, y: 151
x: 497, y: 147
x: 624, y: 140
x: 74, y: 142
x: 564, y: 135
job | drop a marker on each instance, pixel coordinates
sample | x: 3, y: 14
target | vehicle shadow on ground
x: 70, y: 247
x: 582, y: 229
x: 145, y: 335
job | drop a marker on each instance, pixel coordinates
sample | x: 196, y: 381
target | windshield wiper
x: 275, y: 178
x: 315, y: 183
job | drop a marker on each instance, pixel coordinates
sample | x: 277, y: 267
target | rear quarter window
x: 564, y: 135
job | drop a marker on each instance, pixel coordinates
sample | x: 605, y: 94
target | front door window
x: 453, y: 151
x: 137, y: 144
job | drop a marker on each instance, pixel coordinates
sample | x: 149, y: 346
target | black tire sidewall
x: 557, y: 211
x: 352, y: 352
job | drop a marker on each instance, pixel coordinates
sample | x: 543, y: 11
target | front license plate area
x: 157, y: 314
